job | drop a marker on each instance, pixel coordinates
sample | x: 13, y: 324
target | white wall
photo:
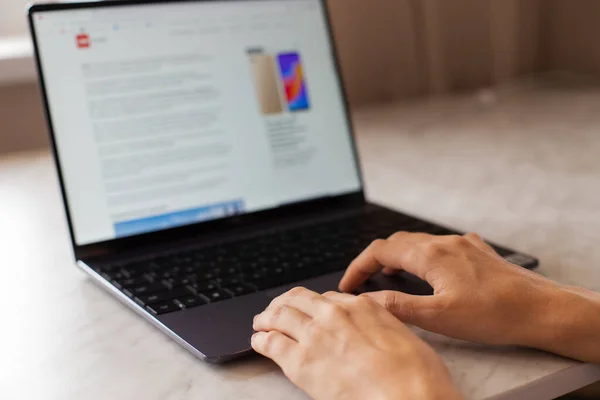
x: 13, y: 20
x: 396, y: 48
x: 393, y: 49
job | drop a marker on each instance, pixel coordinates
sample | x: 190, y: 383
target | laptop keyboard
x: 195, y: 277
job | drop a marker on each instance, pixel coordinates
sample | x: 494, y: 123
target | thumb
x: 414, y: 310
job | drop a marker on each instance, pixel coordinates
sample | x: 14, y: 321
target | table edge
x: 553, y: 385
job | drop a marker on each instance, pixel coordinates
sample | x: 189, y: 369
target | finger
x: 410, y: 236
x: 284, y: 319
x: 477, y: 241
x: 339, y: 297
x: 421, y: 311
x: 274, y: 345
x: 361, y: 309
x: 302, y: 299
x: 401, y: 253
x: 403, y: 236
x: 363, y: 267
x: 359, y: 305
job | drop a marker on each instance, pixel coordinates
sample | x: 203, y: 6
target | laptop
x: 206, y: 159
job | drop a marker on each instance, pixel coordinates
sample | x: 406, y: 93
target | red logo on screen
x: 83, y: 41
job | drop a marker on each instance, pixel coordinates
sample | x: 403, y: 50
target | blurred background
x: 391, y: 51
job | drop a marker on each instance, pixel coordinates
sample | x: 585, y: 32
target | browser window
x: 171, y: 114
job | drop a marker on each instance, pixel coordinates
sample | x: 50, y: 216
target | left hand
x: 338, y: 346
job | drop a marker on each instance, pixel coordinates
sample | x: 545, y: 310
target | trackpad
x: 322, y: 284
x: 402, y: 282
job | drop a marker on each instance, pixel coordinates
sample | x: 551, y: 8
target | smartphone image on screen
x: 294, y: 82
x: 266, y: 81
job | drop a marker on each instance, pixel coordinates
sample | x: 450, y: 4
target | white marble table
x: 523, y: 171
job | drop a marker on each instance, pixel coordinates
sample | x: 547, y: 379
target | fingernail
x: 254, y: 320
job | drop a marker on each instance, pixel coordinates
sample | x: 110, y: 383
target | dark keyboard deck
x: 192, y: 278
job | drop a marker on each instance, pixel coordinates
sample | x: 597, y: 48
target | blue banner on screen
x: 178, y: 218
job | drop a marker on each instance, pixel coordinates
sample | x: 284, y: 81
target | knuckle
x: 473, y: 235
x: 334, y: 312
x: 377, y: 243
x: 297, y: 291
x: 277, y: 312
x: 457, y: 241
x: 434, y: 250
x: 368, y: 299
x: 389, y: 301
x: 269, y: 342
x: 363, y: 301
x: 396, y: 235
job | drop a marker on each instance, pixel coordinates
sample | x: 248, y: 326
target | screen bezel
x: 115, y: 246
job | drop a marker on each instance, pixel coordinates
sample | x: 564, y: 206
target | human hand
x: 478, y: 296
x: 338, y: 346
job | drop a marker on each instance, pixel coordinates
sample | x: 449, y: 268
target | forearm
x: 570, y: 325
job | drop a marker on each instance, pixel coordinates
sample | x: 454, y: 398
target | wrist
x: 422, y: 390
x: 543, y: 318
x: 440, y: 389
x: 431, y: 381
x: 566, y: 322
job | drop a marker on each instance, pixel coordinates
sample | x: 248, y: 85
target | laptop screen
x: 170, y: 114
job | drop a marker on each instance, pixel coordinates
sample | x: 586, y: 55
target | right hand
x: 337, y: 346
x: 478, y: 295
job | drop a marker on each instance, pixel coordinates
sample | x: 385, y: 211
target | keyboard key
x: 163, y: 308
x: 127, y: 283
x: 269, y: 283
x: 132, y: 271
x: 113, y: 275
x: 228, y: 281
x: 241, y: 290
x: 147, y: 289
x: 254, y: 276
x: 191, y: 301
x: 217, y: 295
x: 172, y: 283
x: 164, y: 296
x: 109, y: 268
x: 204, y: 275
x: 202, y: 287
x: 228, y: 271
x: 277, y: 258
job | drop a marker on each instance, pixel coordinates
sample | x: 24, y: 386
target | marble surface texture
x: 522, y: 168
